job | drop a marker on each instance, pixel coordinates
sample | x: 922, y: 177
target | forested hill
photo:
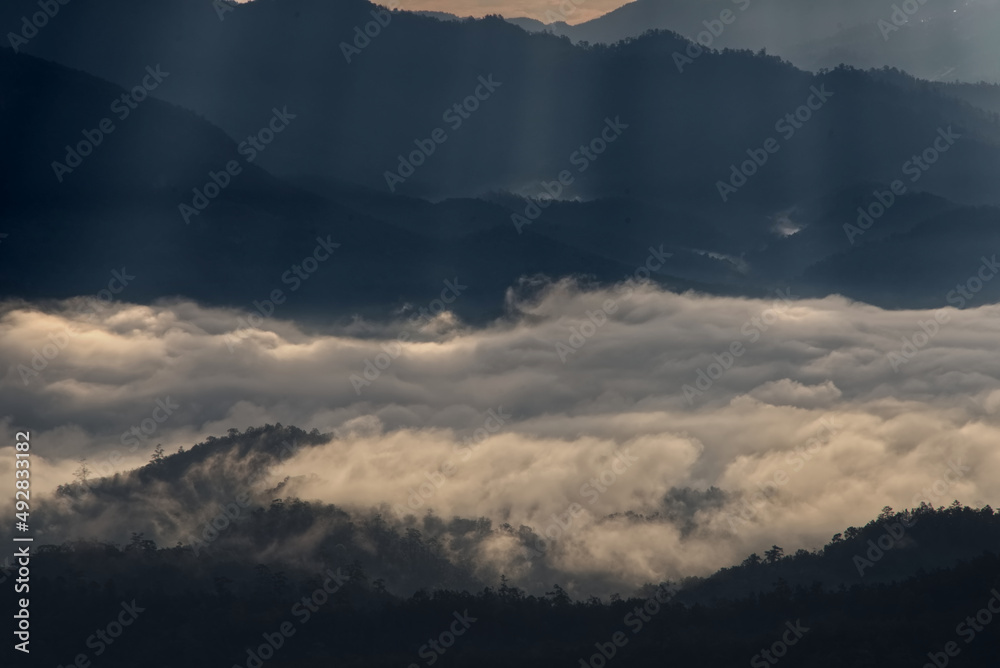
x: 394, y: 585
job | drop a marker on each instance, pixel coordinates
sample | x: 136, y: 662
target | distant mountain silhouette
x: 131, y: 185
x: 657, y: 183
x: 731, y: 103
x: 950, y: 40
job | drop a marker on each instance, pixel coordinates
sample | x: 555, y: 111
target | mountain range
x: 667, y: 179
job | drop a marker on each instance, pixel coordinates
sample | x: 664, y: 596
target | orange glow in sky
x: 574, y: 11
x: 570, y: 11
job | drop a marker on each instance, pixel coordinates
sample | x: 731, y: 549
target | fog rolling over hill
x: 335, y: 334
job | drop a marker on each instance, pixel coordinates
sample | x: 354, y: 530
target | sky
x: 832, y: 407
x: 573, y: 11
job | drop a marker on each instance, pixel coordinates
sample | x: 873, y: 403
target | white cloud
x: 811, y: 364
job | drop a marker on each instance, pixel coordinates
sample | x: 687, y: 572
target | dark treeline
x: 208, y: 609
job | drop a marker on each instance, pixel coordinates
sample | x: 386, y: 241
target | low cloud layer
x: 600, y: 419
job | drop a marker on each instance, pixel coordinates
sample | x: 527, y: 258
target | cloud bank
x: 626, y: 434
